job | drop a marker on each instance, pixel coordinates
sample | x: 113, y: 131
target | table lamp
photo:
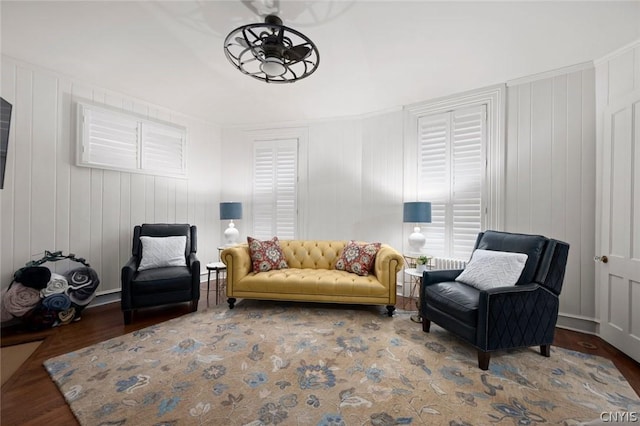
x: 417, y: 212
x: 230, y: 211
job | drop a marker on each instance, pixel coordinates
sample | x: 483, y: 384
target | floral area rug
x: 267, y: 363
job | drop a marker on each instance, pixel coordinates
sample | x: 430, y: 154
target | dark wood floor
x: 29, y: 397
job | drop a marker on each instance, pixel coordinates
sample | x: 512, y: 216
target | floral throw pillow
x: 266, y: 255
x: 358, y: 257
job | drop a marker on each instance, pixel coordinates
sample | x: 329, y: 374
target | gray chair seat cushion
x: 167, y: 279
x: 456, y: 299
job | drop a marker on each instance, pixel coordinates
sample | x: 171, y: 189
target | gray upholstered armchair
x: 502, y: 317
x: 161, y: 270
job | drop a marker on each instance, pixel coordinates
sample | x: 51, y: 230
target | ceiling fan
x: 272, y: 52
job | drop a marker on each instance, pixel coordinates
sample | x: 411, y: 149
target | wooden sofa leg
x: 483, y: 360
x: 545, y: 350
x: 194, y: 305
x: 426, y: 325
x: 128, y: 315
x: 390, y: 309
x: 231, y: 301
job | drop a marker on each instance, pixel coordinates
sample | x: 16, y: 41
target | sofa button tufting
x: 311, y: 272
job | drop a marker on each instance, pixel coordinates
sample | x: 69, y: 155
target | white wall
x: 351, y: 186
x: 356, y: 168
x: 334, y: 180
x: 353, y: 180
x: 550, y: 170
x: 48, y: 203
x: 382, y: 180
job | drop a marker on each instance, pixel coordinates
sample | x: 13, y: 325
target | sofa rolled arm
x: 387, y: 265
x: 238, y: 261
x: 522, y: 315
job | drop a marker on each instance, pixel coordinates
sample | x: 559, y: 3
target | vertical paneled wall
x: 550, y: 175
x: 382, y: 179
x: 48, y: 203
x: 334, y: 180
x: 352, y: 187
x: 356, y: 168
x: 352, y: 184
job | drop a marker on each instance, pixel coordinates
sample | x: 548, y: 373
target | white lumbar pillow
x: 159, y: 252
x: 490, y: 269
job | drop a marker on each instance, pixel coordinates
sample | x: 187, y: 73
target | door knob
x: 603, y: 259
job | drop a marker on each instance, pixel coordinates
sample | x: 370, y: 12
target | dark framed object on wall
x: 5, y: 121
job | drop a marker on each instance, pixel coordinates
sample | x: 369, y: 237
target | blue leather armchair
x: 505, y: 317
x: 160, y: 286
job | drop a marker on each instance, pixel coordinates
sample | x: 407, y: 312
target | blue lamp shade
x: 230, y: 211
x: 417, y: 212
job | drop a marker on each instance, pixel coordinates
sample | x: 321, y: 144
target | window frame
x: 451, y: 156
x: 301, y: 134
x: 144, y: 144
x: 493, y: 98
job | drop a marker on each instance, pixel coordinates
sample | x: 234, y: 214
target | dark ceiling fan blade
x: 297, y: 53
x: 262, y: 7
x: 246, y: 45
x: 242, y: 42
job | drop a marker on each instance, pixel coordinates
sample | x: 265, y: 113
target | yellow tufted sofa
x: 311, y: 276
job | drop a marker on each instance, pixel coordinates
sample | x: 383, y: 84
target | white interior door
x: 619, y: 266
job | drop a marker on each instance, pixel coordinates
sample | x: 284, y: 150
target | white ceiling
x: 375, y: 55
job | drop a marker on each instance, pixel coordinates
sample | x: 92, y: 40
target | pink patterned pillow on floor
x: 266, y: 255
x: 358, y: 257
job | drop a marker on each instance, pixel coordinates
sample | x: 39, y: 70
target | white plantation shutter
x: 110, y: 139
x: 434, y: 133
x: 451, y: 165
x: 469, y: 130
x: 116, y: 140
x: 275, y: 189
x: 163, y: 149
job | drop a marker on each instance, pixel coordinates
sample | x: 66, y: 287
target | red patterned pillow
x: 266, y: 255
x: 358, y: 257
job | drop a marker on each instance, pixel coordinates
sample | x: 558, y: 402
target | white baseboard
x: 580, y: 324
x: 566, y: 321
x: 114, y: 295
x: 103, y: 299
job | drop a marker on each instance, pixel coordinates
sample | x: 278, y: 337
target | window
x: 275, y: 166
x: 115, y: 140
x: 455, y: 158
x: 451, y: 168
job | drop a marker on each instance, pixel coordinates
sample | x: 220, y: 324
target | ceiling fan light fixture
x: 273, y: 67
x: 271, y: 52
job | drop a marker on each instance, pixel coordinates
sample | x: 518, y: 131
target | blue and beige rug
x: 267, y: 363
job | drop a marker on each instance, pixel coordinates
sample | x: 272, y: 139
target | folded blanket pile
x: 41, y: 304
x: 57, y: 284
x: 20, y: 299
